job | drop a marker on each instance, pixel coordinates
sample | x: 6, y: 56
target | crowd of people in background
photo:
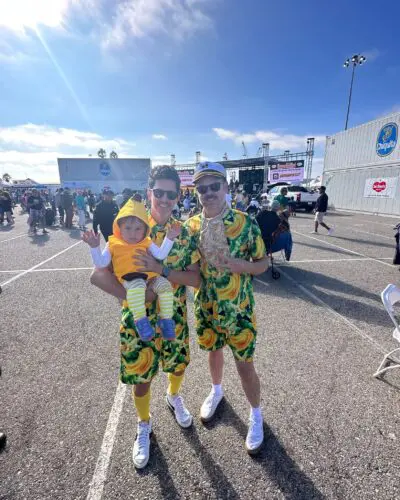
x: 45, y: 208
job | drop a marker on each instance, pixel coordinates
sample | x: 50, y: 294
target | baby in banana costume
x: 130, y: 238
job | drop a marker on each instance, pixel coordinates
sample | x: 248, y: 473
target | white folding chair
x: 390, y: 296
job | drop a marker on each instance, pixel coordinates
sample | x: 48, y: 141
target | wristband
x: 165, y: 271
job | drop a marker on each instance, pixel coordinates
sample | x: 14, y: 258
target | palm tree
x: 113, y: 154
x: 101, y: 153
x: 6, y: 177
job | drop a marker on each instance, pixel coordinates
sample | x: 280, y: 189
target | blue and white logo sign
x: 105, y: 169
x: 387, y: 139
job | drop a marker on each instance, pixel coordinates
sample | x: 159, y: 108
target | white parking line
x: 352, y: 228
x: 15, y: 237
x: 49, y: 270
x: 319, y: 301
x: 38, y: 265
x: 336, y: 260
x: 103, y: 461
x: 341, y: 248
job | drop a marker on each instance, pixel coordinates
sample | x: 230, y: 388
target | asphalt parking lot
x: 332, y: 430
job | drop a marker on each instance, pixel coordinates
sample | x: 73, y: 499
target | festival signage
x: 380, y: 188
x: 186, y: 177
x: 287, y: 171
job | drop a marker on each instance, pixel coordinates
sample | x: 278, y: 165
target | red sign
x: 379, y: 186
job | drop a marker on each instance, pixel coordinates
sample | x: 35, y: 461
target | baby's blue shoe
x: 167, y: 328
x: 145, y: 331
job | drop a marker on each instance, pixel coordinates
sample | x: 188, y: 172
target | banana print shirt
x: 228, y: 294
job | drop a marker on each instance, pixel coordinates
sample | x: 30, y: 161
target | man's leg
x: 175, y: 401
x: 325, y: 226
x: 251, y: 387
x: 316, y: 226
x: 43, y: 221
x: 61, y: 212
x: 216, y: 367
x: 250, y: 382
x: 141, y: 394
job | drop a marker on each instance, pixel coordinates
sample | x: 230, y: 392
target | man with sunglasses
x: 140, y: 360
x: 232, y: 250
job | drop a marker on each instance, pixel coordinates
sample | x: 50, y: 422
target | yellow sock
x: 136, y: 302
x: 175, y: 382
x: 142, y: 405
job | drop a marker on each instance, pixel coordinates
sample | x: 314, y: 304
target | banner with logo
x: 387, y: 139
x: 380, y: 188
x: 287, y: 171
x: 186, y: 177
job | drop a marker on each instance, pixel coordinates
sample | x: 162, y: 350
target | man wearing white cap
x: 232, y: 250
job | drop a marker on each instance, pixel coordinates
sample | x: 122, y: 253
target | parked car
x: 302, y: 197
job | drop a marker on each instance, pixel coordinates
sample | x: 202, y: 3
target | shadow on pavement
x: 39, y: 239
x: 220, y: 483
x: 379, y: 244
x: 74, y: 233
x: 396, y: 387
x: 280, y: 468
x: 158, y: 467
x: 320, y: 285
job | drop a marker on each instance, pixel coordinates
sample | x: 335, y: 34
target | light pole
x: 356, y: 60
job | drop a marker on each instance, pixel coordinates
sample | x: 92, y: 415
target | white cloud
x: 17, y: 15
x: 160, y: 137
x: 111, y: 24
x: 33, y: 136
x: 160, y: 160
x: 178, y: 19
x: 225, y: 134
x: 33, y: 150
x: 277, y: 141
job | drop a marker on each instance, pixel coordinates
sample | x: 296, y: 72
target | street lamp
x: 356, y: 60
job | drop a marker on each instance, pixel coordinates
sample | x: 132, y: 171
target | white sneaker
x: 314, y: 232
x: 141, y: 448
x: 255, y: 435
x: 182, y: 414
x: 331, y: 231
x: 210, y: 405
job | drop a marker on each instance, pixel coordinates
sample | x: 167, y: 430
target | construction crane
x: 244, y: 150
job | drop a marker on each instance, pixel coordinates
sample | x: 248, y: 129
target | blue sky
x: 155, y: 77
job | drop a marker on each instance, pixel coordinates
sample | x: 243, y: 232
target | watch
x: 165, y: 271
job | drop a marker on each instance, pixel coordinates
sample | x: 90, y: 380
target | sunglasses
x: 214, y: 187
x: 159, y: 193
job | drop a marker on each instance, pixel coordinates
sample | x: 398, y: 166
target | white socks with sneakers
x: 217, y: 389
x: 255, y: 412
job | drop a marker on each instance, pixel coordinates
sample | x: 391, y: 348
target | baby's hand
x: 91, y: 238
x: 174, y: 231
